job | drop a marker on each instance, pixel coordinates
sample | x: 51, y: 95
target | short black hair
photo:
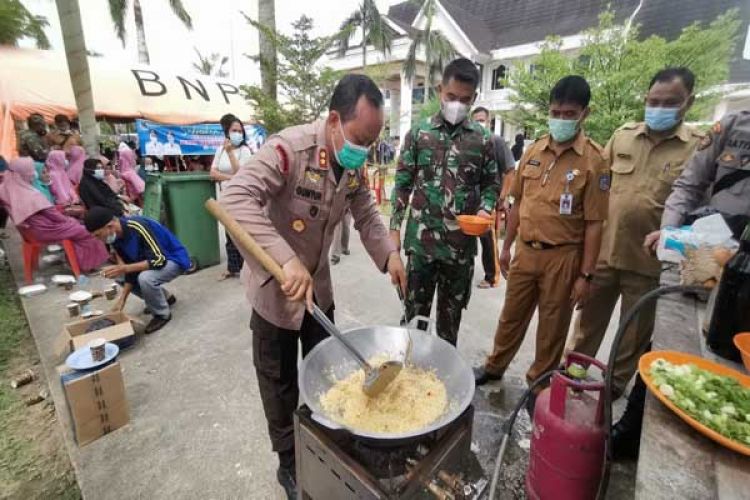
x: 347, y: 93
x: 97, y: 218
x: 227, y: 120
x: 61, y: 118
x: 463, y: 70
x: 673, y: 72
x: 91, y: 163
x: 34, y: 118
x: 481, y: 109
x: 571, y: 89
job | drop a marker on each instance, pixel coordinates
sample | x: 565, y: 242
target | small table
x: 675, y: 460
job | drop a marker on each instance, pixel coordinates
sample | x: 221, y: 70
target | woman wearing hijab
x: 42, y: 182
x: 94, y: 191
x: 36, y: 216
x: 230, y: 156
x: 76, y: 156
x: 134, y: 185
x: 61, y: 187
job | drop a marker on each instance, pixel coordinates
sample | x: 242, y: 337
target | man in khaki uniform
x: 561, y: 192
x: 290, y: 197
x: 645, y: 159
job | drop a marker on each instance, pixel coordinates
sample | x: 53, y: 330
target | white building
x: 497, y: 34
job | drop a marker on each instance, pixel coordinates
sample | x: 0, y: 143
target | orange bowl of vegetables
x: 474, y: 225
x: 742, y: 342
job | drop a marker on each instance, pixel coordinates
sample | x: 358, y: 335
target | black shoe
x: 346, y: 252
x: 287, y: 479
x: 626, y: 437
x: 335, y: 259
x: 482, y: 376
x: 156, y: 323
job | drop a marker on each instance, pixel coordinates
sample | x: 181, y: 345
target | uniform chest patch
x: 728, y: 157
x: 604, y: 182
x: 298, y: 225
x: 308, y: 193
x: 352, y: 182
x: 533, y: 163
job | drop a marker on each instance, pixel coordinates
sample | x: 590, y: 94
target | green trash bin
x: 185, y: 196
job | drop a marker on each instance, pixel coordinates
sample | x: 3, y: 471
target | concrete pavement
x: 197, y: 427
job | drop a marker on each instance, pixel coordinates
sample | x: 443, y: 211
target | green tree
x: 619, y: 65
x: 305, y: 87
x: 16, y: 23
x: 438, y: 50
x: 118, y: 10
x: 374, y: 29
x: 212, y: 64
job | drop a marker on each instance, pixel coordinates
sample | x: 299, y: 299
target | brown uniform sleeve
x: 368, y: 223
x: 596, y: 193
x: 250, y: 189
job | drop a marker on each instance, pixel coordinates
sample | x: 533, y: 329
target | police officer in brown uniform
x: 290, y: 197
x: 561, y: 192
x: 645, y: 159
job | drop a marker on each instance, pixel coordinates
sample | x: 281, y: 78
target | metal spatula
x: 376, y: 378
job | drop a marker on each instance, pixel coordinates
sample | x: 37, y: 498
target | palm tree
x: 16, y: 22
x: 78, y: 68
x: 267, y: 51
x: 210, y: 65
x: 438, y: 50
x: 118, y: 10
x: 374, y: 30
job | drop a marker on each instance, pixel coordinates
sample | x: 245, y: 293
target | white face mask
x: 454, y: 112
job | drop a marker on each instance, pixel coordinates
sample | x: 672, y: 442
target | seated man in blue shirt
x: 148, y: 255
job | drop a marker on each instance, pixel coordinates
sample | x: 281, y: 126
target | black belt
x: 540, y: 245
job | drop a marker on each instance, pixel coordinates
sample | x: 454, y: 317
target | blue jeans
x: 149, y: 287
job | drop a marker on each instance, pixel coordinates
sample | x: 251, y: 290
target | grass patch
x: 33, y: 461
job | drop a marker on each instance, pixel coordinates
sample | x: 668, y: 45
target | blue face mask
x: 350, y: 156
x: 661, y: 119
x: 235, y: 138
x: 562, y: 130
x: 99, y: 173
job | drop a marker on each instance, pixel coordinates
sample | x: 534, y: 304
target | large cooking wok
x: 330, y: 360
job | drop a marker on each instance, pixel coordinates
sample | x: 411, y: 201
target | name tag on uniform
x: 566, y: 204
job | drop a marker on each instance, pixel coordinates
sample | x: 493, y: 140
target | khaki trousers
x: 537, y: 277
x: 591, y: 324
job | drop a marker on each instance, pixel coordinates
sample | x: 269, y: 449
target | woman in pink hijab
x: 39, y: 219
x: 133, y: 182
x: 76, y: 157
x: 61, y: 186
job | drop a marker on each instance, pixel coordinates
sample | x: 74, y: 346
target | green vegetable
x: 577, y: 371
x: 718, y: 402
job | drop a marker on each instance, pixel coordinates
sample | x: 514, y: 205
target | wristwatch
x: 587, y: 276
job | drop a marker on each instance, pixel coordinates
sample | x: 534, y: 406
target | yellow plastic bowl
x: 742, y: 341
x: 474, y: 225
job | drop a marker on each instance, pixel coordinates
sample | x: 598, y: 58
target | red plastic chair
x: 32, y: 249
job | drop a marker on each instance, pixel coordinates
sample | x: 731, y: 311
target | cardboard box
x: 96, y: 401
x: 74, y: 334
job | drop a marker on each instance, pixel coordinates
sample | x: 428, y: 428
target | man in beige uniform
x: 560, y: 190
x: 645, y: 159
x: 290, y: 198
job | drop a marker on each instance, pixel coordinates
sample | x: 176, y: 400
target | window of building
x: 498, y: 77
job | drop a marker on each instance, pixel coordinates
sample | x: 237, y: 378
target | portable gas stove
x: 337, y: 465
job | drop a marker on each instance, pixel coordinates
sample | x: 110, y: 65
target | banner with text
x: 158, y: 139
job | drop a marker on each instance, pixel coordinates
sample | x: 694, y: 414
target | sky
x: 218, y: 27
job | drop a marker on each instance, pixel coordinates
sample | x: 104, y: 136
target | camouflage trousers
x: 453, y: 282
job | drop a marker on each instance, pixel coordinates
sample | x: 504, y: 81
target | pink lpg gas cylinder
x: 568, y: 438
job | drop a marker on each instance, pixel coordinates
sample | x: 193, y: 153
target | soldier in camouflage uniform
x: 448, y: 163
x: 31, y: 142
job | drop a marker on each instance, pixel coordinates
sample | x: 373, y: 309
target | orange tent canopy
x: 37, y: 81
